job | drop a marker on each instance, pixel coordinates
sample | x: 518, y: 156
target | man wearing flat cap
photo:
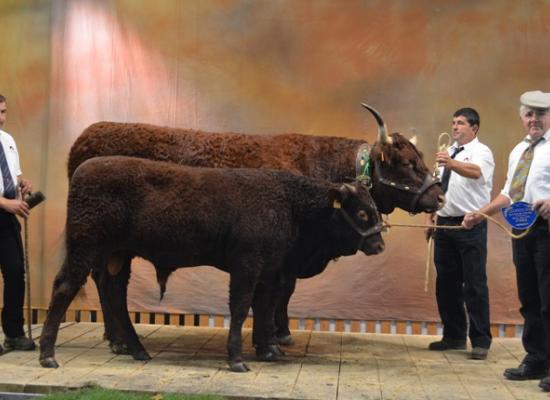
x: 528, y: 180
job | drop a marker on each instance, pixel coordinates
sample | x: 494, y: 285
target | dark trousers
x: 532, y: 261
x: 13, y: 272
x: 460, y: 258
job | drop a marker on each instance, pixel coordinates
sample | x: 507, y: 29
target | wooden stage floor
x: 320, y: 366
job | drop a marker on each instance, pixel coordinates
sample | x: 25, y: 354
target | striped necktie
x: 517, y: 187
x: 9, y: 187
x: 446, y: 176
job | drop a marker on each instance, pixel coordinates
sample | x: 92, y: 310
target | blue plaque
x: 520, y: 215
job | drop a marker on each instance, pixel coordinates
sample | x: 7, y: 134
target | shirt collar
x: 466, y: 146
x: 546, y: 136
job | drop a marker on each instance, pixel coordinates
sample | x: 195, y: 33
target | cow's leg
x: 241, y: 288
x: 68, y: 281
x: 282, y: 333
x: 266, y: 295
x: 113, y: 289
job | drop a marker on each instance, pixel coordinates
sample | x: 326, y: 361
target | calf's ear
x: 338, y: 196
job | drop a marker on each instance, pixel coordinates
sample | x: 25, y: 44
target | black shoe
x: 526, y: 371
x: 544, y: 384
x: 19, y: 343
x: 448, y: 344
x: 479, y: 353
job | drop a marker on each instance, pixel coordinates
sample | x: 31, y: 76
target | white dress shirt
x: 12, y: 157
x: 466, y: 194
x: 537, y: 185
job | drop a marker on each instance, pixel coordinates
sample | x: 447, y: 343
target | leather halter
x: 363, y: 233
x: 363, y: 169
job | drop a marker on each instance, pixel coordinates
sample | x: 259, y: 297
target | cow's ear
x: 339, y: 196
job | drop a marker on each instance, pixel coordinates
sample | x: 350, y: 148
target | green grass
x: 97, y: 393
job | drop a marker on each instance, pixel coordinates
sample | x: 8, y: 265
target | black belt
x: 541, y: 221
x: 451, y: 219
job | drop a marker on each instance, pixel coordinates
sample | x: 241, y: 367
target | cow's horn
x: 382, y: 130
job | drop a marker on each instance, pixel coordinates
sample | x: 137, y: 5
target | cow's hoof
x: 286, y: 340
x: 118, y: 348
x: 49, y: 362
x: 238, y: 367
x: 141, y: 355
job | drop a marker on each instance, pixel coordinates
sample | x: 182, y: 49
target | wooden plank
x: 494, y: 330
x: 417, y: 328
x: 355, y: 326
x: 159, y: 318
x: 189, y: 319
x: 385, y: 326
x: 401, y: 327
x: 294, y: 323
x: 340, y: 325
x: 370, y: 326
x: 42, y: 316
x: 70, y: 315
x: 85, y: 316
x: 99, y: 316
x: 324, y: 325
x: 203, y: 320
x: 510, y: 331
x: 218, y: 321
x: 309, y: 324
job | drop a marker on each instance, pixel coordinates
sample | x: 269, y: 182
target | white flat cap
x: 535, y: 99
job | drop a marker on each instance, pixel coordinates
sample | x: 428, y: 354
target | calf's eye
x: 363, y: 215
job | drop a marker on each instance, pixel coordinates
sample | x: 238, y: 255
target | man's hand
x: 25, y: 186
x: 443, y: 159
x: 542, y: 207
x: 428, y: 232
x: 17, y: 207
x: 471, y: 219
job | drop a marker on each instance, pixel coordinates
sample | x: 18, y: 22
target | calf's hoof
x: 286, y: 340
x: 238, y: 367
x: 49, y: 362
x: 118, y: 348
x: 141, y: 355
x: 271, y: 352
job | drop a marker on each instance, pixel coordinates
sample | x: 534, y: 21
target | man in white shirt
x: 460, y: 256
x: 531, y: 253
x: 12, y: 188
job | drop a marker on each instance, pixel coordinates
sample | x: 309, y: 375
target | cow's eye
x: 407, y: 164
x: 363, y: 215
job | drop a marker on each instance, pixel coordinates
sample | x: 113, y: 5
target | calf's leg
x: 264, y: 302
x: 282, y: 332
x: 68, y: 281
x: 242, y: 283
x: 113, y: 291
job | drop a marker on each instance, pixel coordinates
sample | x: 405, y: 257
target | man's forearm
x: 468, y: 170
x: 494, y: 206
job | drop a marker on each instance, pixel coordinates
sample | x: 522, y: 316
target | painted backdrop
x: 271, y: 67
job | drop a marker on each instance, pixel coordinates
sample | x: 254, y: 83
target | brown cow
x: 393, y: 166
x: 272, y: 225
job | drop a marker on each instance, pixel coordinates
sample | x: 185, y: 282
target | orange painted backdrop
x: 266, y: 67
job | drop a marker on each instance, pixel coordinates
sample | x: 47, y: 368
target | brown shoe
x: 447, y: 344
x: 479, y: 353
x: 19, y: 343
